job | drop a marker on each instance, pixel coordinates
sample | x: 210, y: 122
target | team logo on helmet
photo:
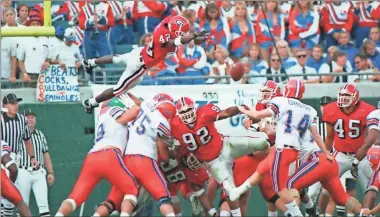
x: 179, y: 22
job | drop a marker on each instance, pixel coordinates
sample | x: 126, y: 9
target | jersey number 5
x: 353, y: 126
x: 142, y: 119
x: 189, y: 138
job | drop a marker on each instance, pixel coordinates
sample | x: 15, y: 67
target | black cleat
x: 87, y: 67
x: 312, y: 212
x: 87, y: 106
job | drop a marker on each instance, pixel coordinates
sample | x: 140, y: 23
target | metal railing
x: 112, y: 79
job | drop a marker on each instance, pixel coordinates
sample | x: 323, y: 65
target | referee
x: 15, y: 131
x: 35, y: 178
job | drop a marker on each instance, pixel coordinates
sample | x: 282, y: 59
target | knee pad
x: 350, y: 184
x: 274, y: 199
x: 109, y: 204
x: 131, y: 198
x: 302, y: 193
x: 372, y: 188
x: 164, y: 200
x: 71, y: 202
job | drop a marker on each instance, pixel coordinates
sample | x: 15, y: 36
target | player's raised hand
x: 128, y: 102
x: 202, y: 33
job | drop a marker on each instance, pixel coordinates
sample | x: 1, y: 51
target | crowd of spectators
x: 271, y: 37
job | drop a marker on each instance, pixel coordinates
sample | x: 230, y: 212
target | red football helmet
x: 348, y: 95
x: 178, y: 26
x: 373, y: 156
x: 167, y: 109
x: 186, y: 110
x: 268, y: 90
x: 294, y: 89
x: 163, y: 97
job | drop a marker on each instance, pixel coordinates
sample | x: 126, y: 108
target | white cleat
x: 234, y: 194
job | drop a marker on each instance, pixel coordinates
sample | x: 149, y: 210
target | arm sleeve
x: 164, y: 133
x: 372, y: 121
x: 211, y: 112
x: 45, y: 144
x: 275, y: 105
x: 27, y: 133
x: 21, y: 52
x: 115, y: 112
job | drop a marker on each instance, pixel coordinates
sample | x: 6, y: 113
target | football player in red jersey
x: 8, y: 190
x: 173, y: 31
x: 346, y: 128
x: 195, y: 129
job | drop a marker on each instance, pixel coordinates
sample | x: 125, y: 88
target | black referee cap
x: 11, y: 98
x: 325, y: 100
x: 29, y: 112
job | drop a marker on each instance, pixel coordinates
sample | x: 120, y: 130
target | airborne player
x: 170, y: 33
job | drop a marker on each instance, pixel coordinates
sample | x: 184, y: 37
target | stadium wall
x: 68, y: 130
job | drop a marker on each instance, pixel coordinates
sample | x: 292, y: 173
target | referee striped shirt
x: 322, y: 128
x: 40, y: 147
x: 14, y: 131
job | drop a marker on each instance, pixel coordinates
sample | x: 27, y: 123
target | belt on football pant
x: 30, y: 168
x: 348, y: 153
x: 289, y: 146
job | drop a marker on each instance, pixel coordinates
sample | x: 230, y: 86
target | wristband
x: 9, y: 163
x: 177, y: 41
x: 356, y: 161
x: 212, y: 211
x: 51, y: 173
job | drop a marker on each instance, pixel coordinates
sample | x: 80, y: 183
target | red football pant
x: 148, y: 174
x: 282, y: 158
x: 105, y: 164
x: 8, y: 190
x: 319, y: 169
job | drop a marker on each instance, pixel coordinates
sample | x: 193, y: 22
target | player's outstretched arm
x: 137, y: 100
x: 256, y: 114
x: 10, y: 164
x: 228, y: 112
x: 318, y: 139
x: 128, y: 115
x: 182, y: 40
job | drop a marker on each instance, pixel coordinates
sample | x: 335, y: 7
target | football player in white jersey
x: 104, y: 161
x: 149, y: 136
x: 113, y: 202
x: 316, y: 167
x: 293, y: 119
x: 8, y: 190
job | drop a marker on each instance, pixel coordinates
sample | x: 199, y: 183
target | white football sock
x: 236, y: 212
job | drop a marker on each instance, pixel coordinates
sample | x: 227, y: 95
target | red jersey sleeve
x: 260, y: 106
x: 328, y: 113
x: 210, y: 112
x: 158, y: 7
